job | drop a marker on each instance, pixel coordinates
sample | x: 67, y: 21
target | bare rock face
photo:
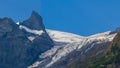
x: 16, y: 49
x: 34, y: 22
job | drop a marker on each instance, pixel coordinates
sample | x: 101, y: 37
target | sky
x: 83, y: 17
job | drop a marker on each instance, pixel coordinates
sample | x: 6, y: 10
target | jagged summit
x: 35, y: 15
x: 32, y: 46
x: 34, y: 22
x: 21, y: 47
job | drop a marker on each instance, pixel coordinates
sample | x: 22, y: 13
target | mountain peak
x: 25, y: 44
x: 35, y: 15
x: 34, y: 22
x: 34, y: 12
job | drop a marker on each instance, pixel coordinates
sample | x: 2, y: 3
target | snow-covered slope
x: 64, y: 42
x: 74, y: 42
x: 64, y: 37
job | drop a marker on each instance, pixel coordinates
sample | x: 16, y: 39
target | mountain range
x: 29, y: 44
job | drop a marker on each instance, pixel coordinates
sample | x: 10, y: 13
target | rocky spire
x: 34, y: 22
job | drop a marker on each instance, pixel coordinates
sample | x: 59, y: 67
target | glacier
x: 70, y: 42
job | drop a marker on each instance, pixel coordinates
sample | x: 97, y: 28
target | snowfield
x: 70, y: 42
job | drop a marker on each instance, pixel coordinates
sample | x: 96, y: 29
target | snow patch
x: 18, y: 23
x: 63, y: 52
x: 38, y: 32
x: 34, y: 65
x: 50, y: 52
x: 31, y: 38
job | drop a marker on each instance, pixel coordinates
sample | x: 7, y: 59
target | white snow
x: 59, y: 36
x: 75, y: 43
x: 101, y: 37
x: 18, y: 23
x: 50, y: 52
x: 34, y: 65
x: 89, y: 48
x: 100, y: 34
x: 38, y: 32
x: 63, y: 52
x: 31, y: 38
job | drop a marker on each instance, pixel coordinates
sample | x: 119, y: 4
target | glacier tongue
x: 74, y: 42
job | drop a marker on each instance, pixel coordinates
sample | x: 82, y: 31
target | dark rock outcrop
x: 16, y: 50
x: 34, y: 22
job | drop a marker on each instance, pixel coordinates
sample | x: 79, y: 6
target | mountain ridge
x: 74, y: 46
x: 112, y: 56
x: 34, y: 22
x: 31, y: 45
x: 15, y: 40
